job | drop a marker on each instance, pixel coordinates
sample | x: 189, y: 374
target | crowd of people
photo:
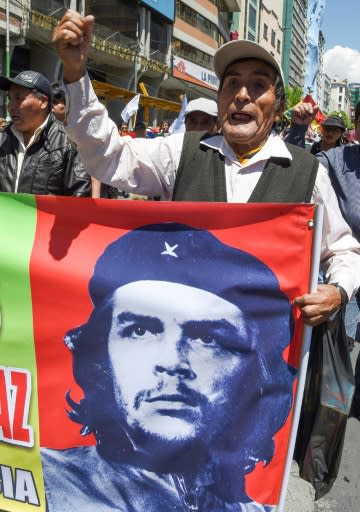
x: 240, y: 158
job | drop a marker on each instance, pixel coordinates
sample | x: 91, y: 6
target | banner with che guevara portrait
x: 149, y: 352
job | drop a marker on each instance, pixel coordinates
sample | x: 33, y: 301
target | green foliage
x: 293, y: 96
x: 345, y: 118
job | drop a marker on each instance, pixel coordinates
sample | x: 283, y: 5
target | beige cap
x: 242, y: 49
x: 202, y: 105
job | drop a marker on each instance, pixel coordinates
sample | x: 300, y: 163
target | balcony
x: 113, y: 48
x: 233, y: 5
x: 18, y: 18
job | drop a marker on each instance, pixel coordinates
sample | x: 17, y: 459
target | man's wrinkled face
x: 175, y: 354
x: 247, y: 104
x: 27, y: 111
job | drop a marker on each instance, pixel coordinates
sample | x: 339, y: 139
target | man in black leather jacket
x: 36, y: 156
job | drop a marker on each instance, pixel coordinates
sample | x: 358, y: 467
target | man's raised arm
x: 72, y: 40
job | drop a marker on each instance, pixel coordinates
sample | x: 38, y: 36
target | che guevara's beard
x: 150, y: 452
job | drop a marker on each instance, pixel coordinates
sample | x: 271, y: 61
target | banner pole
x: 315, y: 263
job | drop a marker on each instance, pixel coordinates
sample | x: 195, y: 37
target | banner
x: 149, y: 352
x: 186, y: 70
x: 164, y: 7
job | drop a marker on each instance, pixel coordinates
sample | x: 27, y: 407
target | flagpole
x: 7, y: 50
x: 7, y: 54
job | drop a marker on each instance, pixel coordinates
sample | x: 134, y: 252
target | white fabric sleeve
x: 140, y: 166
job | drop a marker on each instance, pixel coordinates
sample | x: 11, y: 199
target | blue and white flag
x: 315, y: 14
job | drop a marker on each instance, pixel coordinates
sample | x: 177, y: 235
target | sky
x: 340, y: 27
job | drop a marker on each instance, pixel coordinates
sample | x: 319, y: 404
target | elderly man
x: 247, y: 161
x: 201, y: 116
x: 36, y: 156
x: 181, y: 369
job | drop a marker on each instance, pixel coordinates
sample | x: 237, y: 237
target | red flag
x: 320, y: 117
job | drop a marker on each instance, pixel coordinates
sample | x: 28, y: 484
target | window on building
x: 266, y: 29
x: 192, y: 54
x: 252, y: 18
x: 340, y: 98
x: 198, y: 21
x: 158, y: 42
x: 273, y: 38
x: 115, y: 19
x: 340, y: 89
x: 278, y: 46
x: 250, y: 36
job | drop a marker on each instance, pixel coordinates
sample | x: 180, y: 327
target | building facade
x: 161, y: 48
x: 354, y: 89
x: 295, y: 41
x: 270, y: 27
x: 200, y: 27
x: 340, y: 98
x: 325, y: 93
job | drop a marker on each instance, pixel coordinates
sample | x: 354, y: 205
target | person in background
x: 140, y: 130
x: 343, y: 164
x: 332, y: 132
x: 201, y: 115
x: 3, y: 124
x: 350, y: 137
x: 36, y: 155
x: 164, y: 128
x: 124, y: 129
x: 58, y: 102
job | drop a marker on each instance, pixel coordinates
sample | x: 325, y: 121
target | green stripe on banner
x: 20, y: 463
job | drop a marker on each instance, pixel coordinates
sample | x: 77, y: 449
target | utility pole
x: 7, y: 50
x: 7, y: 56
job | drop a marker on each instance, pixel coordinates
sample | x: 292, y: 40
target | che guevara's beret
x: 179, y: 253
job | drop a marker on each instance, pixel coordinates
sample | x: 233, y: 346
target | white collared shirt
x: 23, y: 149
x: 149, y: 166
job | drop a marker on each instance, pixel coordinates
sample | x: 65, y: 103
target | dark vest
x: 201, y: 175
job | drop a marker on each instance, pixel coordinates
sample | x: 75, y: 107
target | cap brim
x: 242, y: 49
x: 333, y: 125
x: 6, y: 83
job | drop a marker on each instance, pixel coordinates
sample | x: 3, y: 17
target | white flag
x: 131, y: 108
x: 178, y: 125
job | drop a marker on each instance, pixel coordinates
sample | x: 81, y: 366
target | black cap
x: 30, y: 80
x: 140, y: 126
x: 335, y: 121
